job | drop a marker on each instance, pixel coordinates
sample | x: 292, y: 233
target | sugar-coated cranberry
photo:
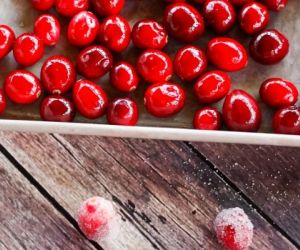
x: 90, y: 99
x: 94, y: 61
x: 42, y: 4
x: 287, y: 121
x: 275, y: 5
x: 2, y: 101
x: 115, y: 33
x: 7, y: 38
x: 22, y: 87
x: 207, y: 118
x: 183, y: 22
x: 241, y: 111
x: 269, y: 47
x: 212, y: 86
x: 164, y: 99
x: 190, y: 62
x: 124, y: 77
x: 240, y: 2
x: 227, y: 54
x: 71, y: 7
x: 108, y: 7
x: 28, y: 49
x: 149, y: 34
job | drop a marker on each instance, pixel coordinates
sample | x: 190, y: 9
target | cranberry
x: 149, y: 34
x: 240, y: 2
x: 275, y: 5
x: 155, y: 66
x: 83, y: 29
x: 207, y: 118
x: 123, y: 111
x: 47, y: 28
x: 164, y: 99
x: 227, y: 54
x: 90, y: 99
x: 94, y: 61
x: 108, y: 7
x: 28, y: 49
x: 269, y: 47
x: 190, y: 62
x: 42, y: 4
x: 57, y: 109
x: 124, y: 77
x: 183, y: 22
x: 58, y: 74
x: 71, y: 7
x: 287, y: 121
x: 212, y: 86
x: 241, y: 111
x: 2, y: 101
x: 115, y: 33
x: 219, y: 14
x: 278, y: 92
x: 7, y: 38
x: 22, y: 87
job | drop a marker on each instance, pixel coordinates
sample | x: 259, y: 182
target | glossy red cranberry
x: 287, y: 121
x: 90, y: 99
x: 220, y: 15
x: 47, y: 28
x: 124, y: 77
x: 28, y: 49
x: 7, y: 38
x: 57, y: 108
x: 155, y: 66
x: 190, y: 62
x: 123, y: 111
x: 164, y: 99
x: 108, y: 7
x: 58, y: 74
x: 94, y: 61
x: 254, y: 17
x: 149, y: 34
x: 22, y: 87
x: 71, y: 7
x: 183, y: 22
x: 83, y: 29
x: 240, y: 2
x: 241, y: 112
x: 275, y: 5
x: 278, y: 92
x: 2, y: 101
x: 269, y: 47
x: 115, y: 33
x: 42, y: 5
x: 212, y: 86
x: 227, y: 54
x: 207, y: 118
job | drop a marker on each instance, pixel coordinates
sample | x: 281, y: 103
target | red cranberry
x: 275, y: 5
x: 269, y: 47
x: 83, y: 29
x: 22, y: 87
x: 90, y: 99
x: 108, y: 7
x: 28, y: 49
x: 164, y: 99
x: 122, y: 111
x: 124, y: 77
x: 94, y: 61
x: 190, y: 62
x: 58, y: 74
x: 212, y: 86
x: 115, y: 33
x: 240, y: 2
x: 57, y: 108
x: 7, y: 38
x: 2, y: 101
x: 287, y: 121
x: 183, y: 22
x: 278, y: 92
x: 219, y: 14
x: 149, y: 34
x: 42, y: 4
x: 71, y: 7
x: 207, y: 118
x: 241, y: 111
x: 227, y: 54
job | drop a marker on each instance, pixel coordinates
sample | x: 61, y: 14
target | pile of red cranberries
x: 101, y: 33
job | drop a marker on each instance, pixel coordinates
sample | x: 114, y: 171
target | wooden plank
x: 168, y: 197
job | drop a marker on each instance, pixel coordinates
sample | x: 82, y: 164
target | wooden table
x: 167, y: 193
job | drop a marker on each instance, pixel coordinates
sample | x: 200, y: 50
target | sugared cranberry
x: 212, y: 86
x: 241, y: 111
x: 71, y: 7
x: 287, y: 121
x: 2, y: 101
x: 124, y: 77
x: 227, y: 54
x: 240, y: 2
x: 207, y: 118
x: 22, y: 87
x: 275, y: 5
x: 90, y: 99
x: 42, y: 4
x: 94, y: 61
x: 183, y: 22
x: 164, y: 99
x: 28, y: 49
x: 108, y: 7
x: 149, y: 34
x: 190, y: 62
x: 269, y: 47
x: 57, y: 108
x: 7, y: 38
